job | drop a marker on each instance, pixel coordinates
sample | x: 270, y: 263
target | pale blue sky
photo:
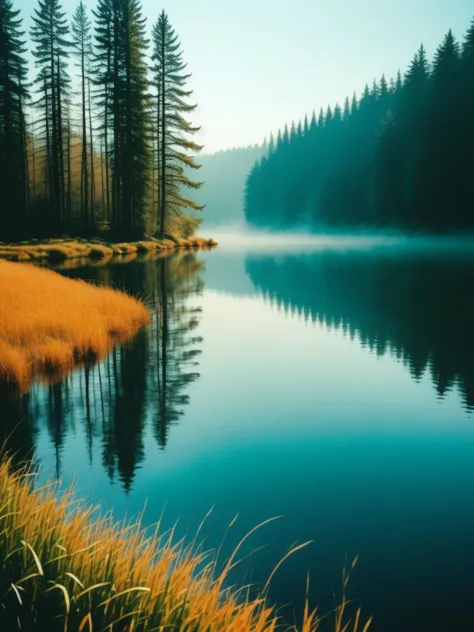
x: 259, y: 63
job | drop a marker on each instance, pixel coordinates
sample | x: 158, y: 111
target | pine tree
x: 466, y: 145
x: 375, y: 93
x: 13, y: 93
x: 271, y: 145
x: 306, y: 125
x: 135, y: 158
x: 121, y: 80
x: 169, y: 81
x: 103, y: 82
x: 279, y: 140
x: 354, y: 104
x: 292, y: 132
x: 321, y: 118
x: 49, y: 34
x: 347, y: 110
x: 399, y: 82
x: 437, y: 185
x: 82, y: 43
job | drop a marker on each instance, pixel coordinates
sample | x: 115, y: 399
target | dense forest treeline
x: 99, y: 140
x: 402, y: 155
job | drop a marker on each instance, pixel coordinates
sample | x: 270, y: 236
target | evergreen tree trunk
x: 91, y: 141
x: 116, y: 207
x: 102, y: 180
x: 84, y: 170
x: 62, y: 170
x: 163, y: 140
x: 69, y: 173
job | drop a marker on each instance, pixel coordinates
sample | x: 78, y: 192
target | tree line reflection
x: 141, y: 383
x: 418, y: 308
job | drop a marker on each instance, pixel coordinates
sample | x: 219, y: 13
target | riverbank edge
x: 58, y: 250
x: 50, y: 324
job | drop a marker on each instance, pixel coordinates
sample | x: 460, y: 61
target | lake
x: 326, y: 381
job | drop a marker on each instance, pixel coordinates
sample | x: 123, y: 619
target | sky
x: 257, y: 64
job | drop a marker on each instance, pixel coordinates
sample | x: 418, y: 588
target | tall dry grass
x: 63, y: 570
x: 49, y: 323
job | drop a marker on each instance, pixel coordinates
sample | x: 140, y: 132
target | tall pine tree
x: 82, y: 42
x: 50, y: 35
x: 13, y: 93
x: 173, y: 142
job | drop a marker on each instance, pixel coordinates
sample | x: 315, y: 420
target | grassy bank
x: 56, y: 250
x: 61, y: 569
x: 49, y: 323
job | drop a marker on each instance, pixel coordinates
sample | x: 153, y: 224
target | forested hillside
x: 224, y: 174
x: 401, y: 155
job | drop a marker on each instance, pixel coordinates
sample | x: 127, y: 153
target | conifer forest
x: 400, y: 155
x: 97, y: 139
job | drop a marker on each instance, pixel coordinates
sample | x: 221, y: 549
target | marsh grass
x: 49, y: 324
x: 57, y: 250
x: 64, y: 569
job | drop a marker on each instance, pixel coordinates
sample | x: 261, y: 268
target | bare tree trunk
x: 69, y: 172
x: 33, y: 157
x: 106, y: 139
x: 102, y: 182
x: 48, y: 175
x: 91, y: 141
x: 84, y: 174
x: 163, y: 145
x: 116, y: 173
x: 24, y: 166
x: 54, y: 174
x: 62, y: 183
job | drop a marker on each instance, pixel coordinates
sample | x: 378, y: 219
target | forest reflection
x: 143, y: 382
x: 416, y: 307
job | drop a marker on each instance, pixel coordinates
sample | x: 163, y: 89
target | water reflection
x: 419, y: 308
x: 288, y: 418
x: 146, y: 379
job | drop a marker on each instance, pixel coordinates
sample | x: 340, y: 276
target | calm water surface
x: 331, y: 386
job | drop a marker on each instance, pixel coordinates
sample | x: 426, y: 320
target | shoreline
x: 59, y: 250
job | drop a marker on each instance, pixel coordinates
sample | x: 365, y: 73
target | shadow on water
x: 146, y: 378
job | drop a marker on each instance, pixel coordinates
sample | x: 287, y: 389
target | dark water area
x: 330, y: 385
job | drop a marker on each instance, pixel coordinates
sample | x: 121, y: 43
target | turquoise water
x: 328, y: 384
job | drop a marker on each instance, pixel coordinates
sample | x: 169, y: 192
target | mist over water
x: 245, y: 237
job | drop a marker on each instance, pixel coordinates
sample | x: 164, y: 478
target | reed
x: 49, y: 324
x: 62, y: 569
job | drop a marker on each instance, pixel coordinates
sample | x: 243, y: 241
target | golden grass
x: 49, y: 323
x: 59, y: 250
x: 61, y: 569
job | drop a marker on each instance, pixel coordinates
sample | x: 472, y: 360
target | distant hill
x: 224, y: 174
